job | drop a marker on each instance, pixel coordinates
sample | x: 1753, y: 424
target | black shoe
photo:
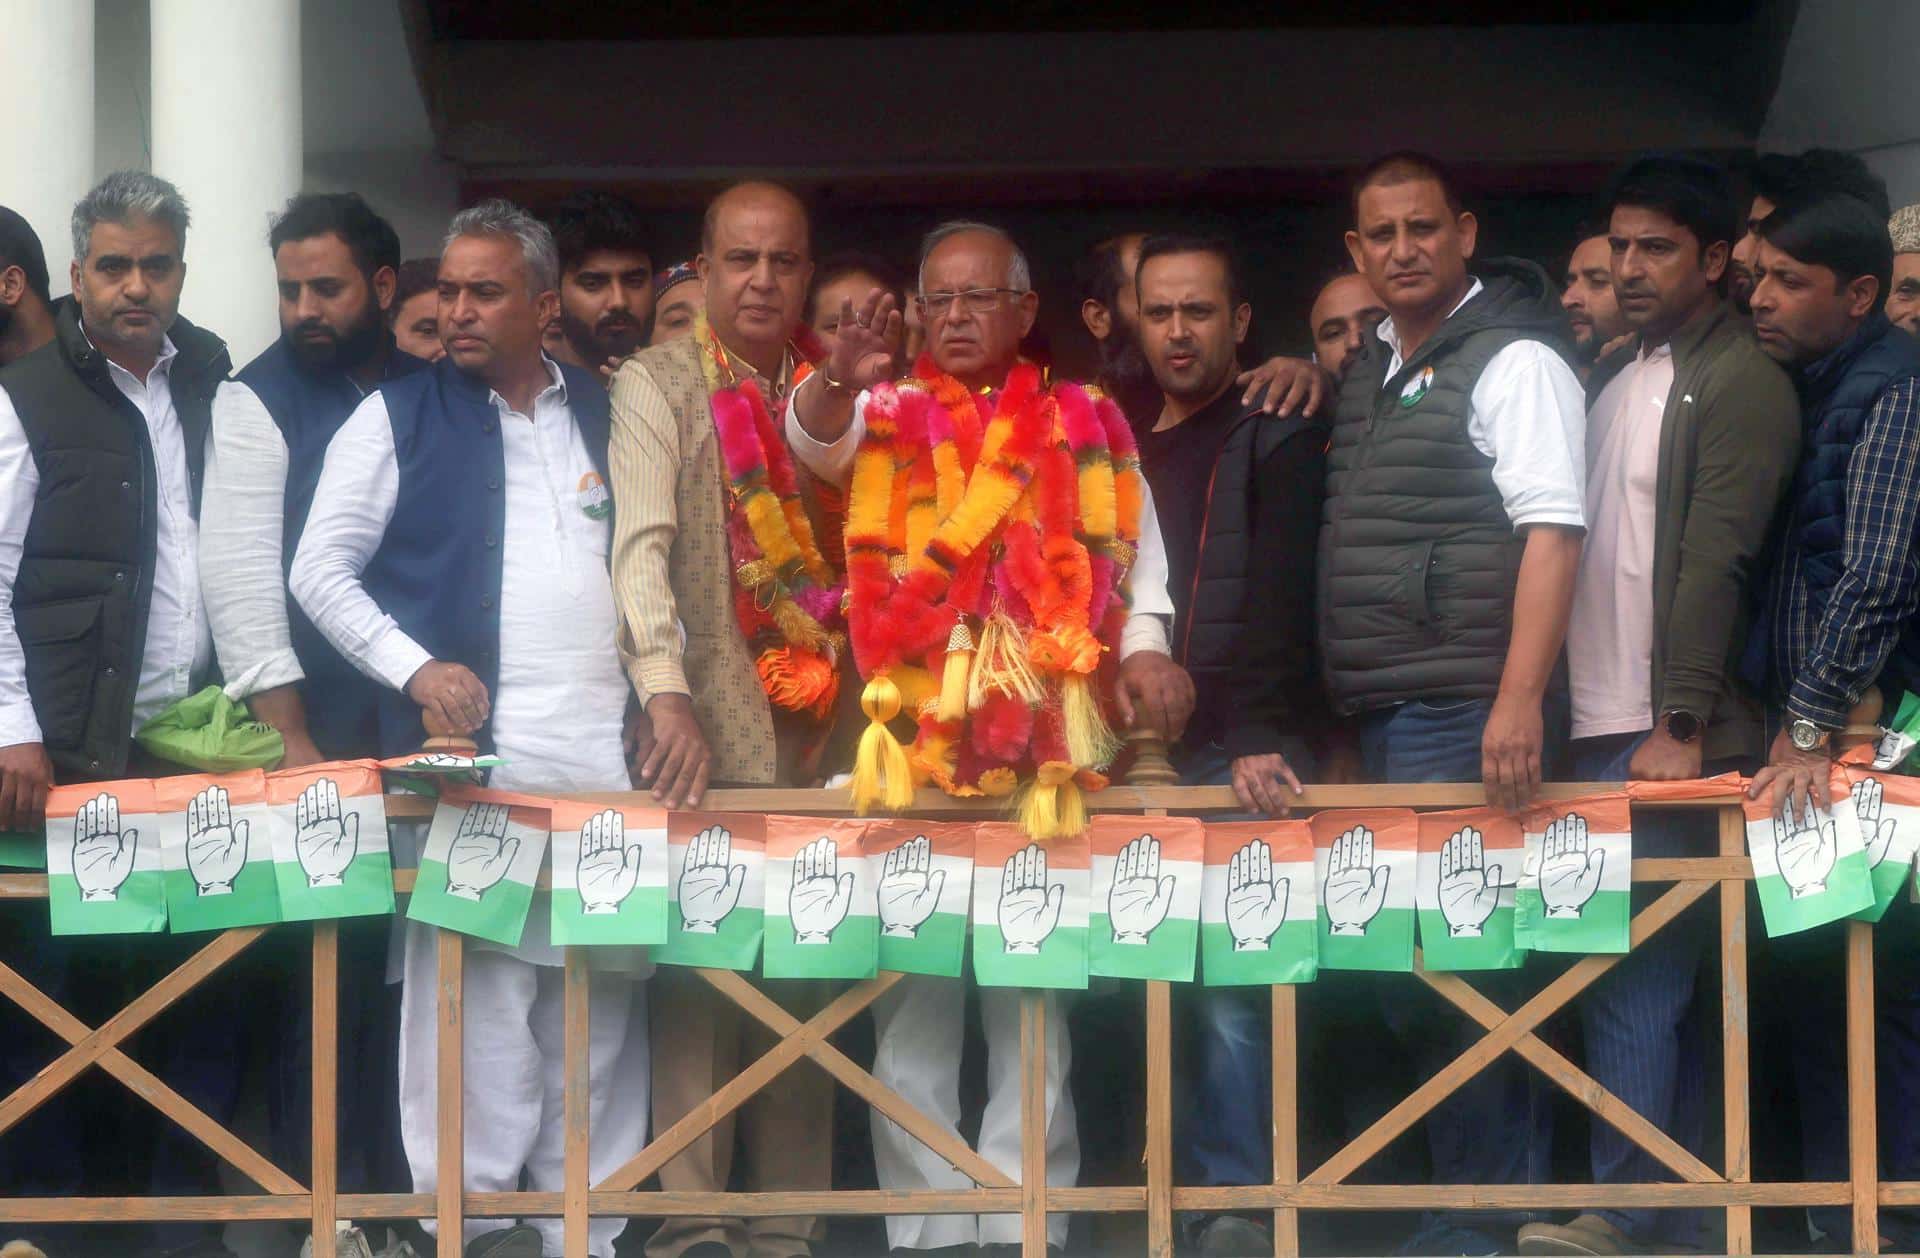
x: 507, y: 1242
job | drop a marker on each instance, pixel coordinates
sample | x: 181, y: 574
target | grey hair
x: 1019, y: 274
x: 498, y: 217
x: 127, y: 194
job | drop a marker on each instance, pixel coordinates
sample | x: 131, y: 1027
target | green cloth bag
x: 212, y: 733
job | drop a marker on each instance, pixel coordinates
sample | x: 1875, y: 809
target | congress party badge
x: 595, y: 502
x: 1416, y: 388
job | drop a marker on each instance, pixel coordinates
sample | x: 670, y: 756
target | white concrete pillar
x: 46, y: 97
x: 226, y: 131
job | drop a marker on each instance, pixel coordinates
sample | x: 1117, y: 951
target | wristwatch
x: 1807, y: 736
x: 1682, y: 726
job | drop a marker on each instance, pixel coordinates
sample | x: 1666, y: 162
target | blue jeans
x: 1643, y: 1028
x: 1492, y: 1130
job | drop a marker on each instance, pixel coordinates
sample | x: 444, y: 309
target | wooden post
x: 325, y: 1165
x: 1033, y: 1124
x: 1159, y: 1120
x: 1734, y: 1027
x: 450, y: 1167
x: 1286, y: 1117
x: 1863, y: 1125
x: 577, y: 1102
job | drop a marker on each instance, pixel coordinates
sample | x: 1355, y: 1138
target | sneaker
x: 506, y: 1242
x: 1587, y: 1234
x: 348, y: 1242
x: 1231, y: 1236
x: 21, y: 1249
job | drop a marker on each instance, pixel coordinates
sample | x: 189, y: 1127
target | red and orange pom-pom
x: 798, y: 680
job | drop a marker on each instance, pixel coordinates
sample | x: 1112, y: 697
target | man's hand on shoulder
x: 679, y: 759
x: 26, y: 775
x: 449, y: 695
x: 1285, y: 386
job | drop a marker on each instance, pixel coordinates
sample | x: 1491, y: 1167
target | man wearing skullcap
x: 1903, y: 298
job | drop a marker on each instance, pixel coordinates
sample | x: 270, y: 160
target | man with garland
x: 731, y: 631
x: 977, y: 301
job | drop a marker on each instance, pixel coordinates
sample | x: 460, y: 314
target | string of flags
x: 1169, y: 898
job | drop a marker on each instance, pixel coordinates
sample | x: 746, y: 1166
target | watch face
x: 1805, y: 735
x: 1683, y: 727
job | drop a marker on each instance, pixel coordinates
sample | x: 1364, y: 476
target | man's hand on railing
x: 1660, y: 758
x: 1154, y: 693
x: 1261, y: 783
x: 679, y: 759
x: 1791, y: 773
x: 1510, y: 751
x: 26, y: 775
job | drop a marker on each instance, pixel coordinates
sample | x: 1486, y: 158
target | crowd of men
x: 1655, y: 521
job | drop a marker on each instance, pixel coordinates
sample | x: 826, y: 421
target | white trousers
x: 919, y: 1028
x: 514, y: 1078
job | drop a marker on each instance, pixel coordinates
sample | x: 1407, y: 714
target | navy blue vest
x: 437, y: 572
x: 308, y: 407
x: 1836, y: 395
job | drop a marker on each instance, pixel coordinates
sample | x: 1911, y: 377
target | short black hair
x: 589, y: 221
x: 370, y: 238
x: 837, y: 266
x: 1407, y: 166
x: 20, y: 246
x: 1696, y: 194
x: 1219, y: 246
x: 1098, y: 274
x: 1833, y: 230
x: 1782, y: 177
x: 417, y: 275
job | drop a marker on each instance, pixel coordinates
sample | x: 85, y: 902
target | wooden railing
x: 1325, y: 1187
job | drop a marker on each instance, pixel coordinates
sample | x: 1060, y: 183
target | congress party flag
x: 1258, y: 915
x: 1029, y: 908
x: 822, y: 919
x: 1809, y: 864
x: 1365, y: 860
x: 480, y: 863
x: 328, y: 824
x: 1576, y: 888
x: 1144, y: 918
x: 103, y: 860
x: 22, y: 849
x: 716, y: 889
x: 1887, y: 807
x: 1470, y: 863
x: 216, y: 849
x: 925, y: 882
x: 609, y: 874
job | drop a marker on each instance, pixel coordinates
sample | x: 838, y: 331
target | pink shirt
x: 1610, y: 635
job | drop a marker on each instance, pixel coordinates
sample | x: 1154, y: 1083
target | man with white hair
x: 456, y: 552
x: 1903, y: 297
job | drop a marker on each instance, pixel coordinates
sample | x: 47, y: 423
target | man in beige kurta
x: 690, y: 662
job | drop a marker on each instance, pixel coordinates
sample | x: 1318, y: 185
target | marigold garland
x: 787, y: 596
x: 988, y: 541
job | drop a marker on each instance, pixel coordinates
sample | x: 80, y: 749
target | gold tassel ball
x: 882, y: 774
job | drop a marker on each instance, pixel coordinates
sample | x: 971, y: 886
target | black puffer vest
x: 85, y: 583
x: 1417, y: 556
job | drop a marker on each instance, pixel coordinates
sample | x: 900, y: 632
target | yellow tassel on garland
x: 1000, y: 663
x: 882, y: 774
x: 1090, y: 740
x: 953, y: 675
x: 1053, y: 808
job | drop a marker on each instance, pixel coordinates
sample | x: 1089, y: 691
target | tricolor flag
x: 103, y: 860
x: 1029, y: 908
x: 1258, y: 916
x: 216, y: 848
x: 609, y: 874
x: 925, y: 881
x: 1144, y: 914
x: 1576, y: 888
x: 480, y: 863
x: 1887, y: 807
x: 716, y: 889
x: 1809, y: 865
x: 821, y: 919
x: 1470, y: 863
x: 1365, y: 860
x: 329, y: 828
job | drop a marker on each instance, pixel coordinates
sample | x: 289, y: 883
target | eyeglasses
x: 980, y: 301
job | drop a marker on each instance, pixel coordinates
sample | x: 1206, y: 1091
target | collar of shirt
x: 162, y: 365
x: 777, y: 388
x: 557, y: 391
x: 1391, y: 335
